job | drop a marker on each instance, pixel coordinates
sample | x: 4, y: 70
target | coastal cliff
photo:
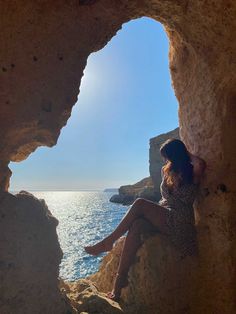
x: 128, y: 193
x: 148, y: 188
x: 45, y: 49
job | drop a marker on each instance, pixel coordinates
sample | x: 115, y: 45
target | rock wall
x: 45, y: 48
x: 128, y: 193
x: 160, y: 281
x: 29, y: 257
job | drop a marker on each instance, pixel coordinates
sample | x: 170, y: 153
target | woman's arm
x: 199, y: 166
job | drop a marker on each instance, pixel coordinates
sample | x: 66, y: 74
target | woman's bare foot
x: 100, y: 247
x: 112, y: 296
x: 120, y: 282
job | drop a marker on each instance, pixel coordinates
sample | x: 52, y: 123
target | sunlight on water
x: 84, y: 218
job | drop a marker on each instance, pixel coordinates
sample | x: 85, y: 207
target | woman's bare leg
x: 132, y: 242
x: 141, y: 208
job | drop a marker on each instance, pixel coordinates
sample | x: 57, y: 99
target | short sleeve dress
x: 180, y: 221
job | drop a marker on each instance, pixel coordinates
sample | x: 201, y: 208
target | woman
x: 173, y: 215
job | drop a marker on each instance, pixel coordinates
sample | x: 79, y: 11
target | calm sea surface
x: 84, y: 218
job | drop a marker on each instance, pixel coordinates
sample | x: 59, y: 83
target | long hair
x: 178, y: 169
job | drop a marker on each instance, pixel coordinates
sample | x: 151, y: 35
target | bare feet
x: 100, y: 247
x: 113, y: 297
x: 120, y: 282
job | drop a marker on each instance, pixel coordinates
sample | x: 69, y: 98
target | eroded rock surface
x: 29, y: 257
x: 158, y: 272
x: 86, y: 298
x: 128, y: 193
x: 45, y: 48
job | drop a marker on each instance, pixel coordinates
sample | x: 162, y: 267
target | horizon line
x: 61, y: 190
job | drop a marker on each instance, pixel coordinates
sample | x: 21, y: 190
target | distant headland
x: 111, y: 190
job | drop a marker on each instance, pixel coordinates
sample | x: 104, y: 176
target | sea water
x: 85, y: 217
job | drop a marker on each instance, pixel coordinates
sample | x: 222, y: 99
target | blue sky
x: 126, y: 98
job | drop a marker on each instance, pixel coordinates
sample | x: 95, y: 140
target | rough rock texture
x: 29, y: 257
x: 155, y: 159
x: 104, y: 278
x: 85, y: 298
x: 160, y: 281
x: 45, y: 45
x: 128, y: 193
x: 5, y: 174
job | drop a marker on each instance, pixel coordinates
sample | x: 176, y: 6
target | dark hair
x: 178, y: 169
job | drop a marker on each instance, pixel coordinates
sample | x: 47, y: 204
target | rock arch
x: 45, y: 48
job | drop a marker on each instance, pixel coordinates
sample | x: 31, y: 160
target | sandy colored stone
x: 5, y: 174
x: 160, y: 281
x: 45, y: 45
x: 29, y: 257
x: 105, y: 277
x: 86, y: 298
x: 128, y: 193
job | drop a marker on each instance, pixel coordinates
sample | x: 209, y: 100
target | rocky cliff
x: 128, y: 193
x: 148, y: 188
x: 45, y: 45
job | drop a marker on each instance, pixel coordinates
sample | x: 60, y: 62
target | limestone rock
x: 29, y: 257
x: 85, y: 298
x: 104, y: 278
x: 122, y: 199
x: 5, y: 174
x: 158, y: 273
x: 45, y: 48
x: 128, y: 193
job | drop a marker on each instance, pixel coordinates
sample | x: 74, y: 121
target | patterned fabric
x: 180, y: 216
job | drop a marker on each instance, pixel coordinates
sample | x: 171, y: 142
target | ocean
x: 85, y: 217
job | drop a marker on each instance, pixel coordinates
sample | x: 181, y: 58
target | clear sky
x: 126, y: 98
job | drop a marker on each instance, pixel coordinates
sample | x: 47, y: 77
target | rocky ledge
x: 87, y: 299
x: 153, y: 282
x: 29, y: 257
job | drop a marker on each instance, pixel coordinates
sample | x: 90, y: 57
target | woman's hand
x: 199, y: 166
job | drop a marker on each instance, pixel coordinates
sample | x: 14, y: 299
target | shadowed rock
x: 35, y: 35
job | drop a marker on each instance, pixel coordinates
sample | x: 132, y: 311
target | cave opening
x: 45, y: 51
x: 126, y: 98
